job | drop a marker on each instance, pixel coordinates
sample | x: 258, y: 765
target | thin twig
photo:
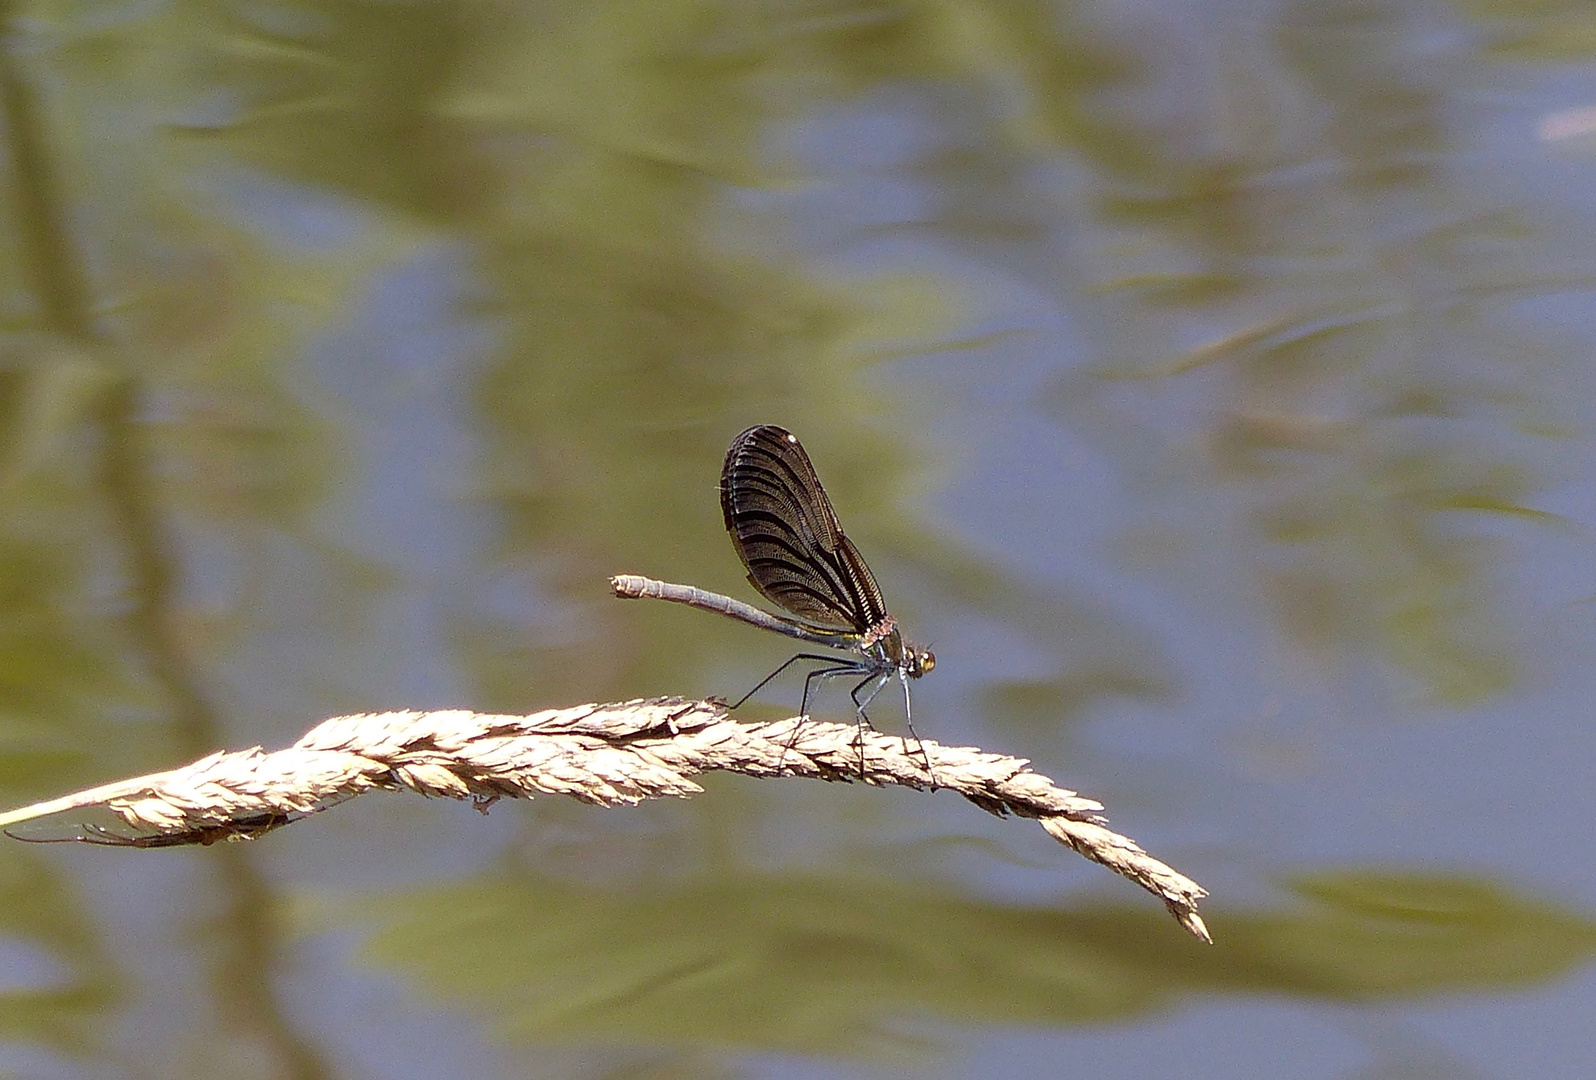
x: 610, y: 755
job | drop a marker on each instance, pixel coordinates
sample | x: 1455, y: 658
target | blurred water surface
x: 1209, y: 384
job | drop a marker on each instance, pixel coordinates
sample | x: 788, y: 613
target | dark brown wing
x: 786, y: 533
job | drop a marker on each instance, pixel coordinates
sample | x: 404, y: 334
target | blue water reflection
x: 1206, y: 386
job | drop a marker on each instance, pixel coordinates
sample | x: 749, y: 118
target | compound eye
x: 928, y: 660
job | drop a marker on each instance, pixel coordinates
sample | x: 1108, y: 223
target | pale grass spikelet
x: 606, y: 754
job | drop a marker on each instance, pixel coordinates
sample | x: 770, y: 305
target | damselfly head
x: 916, y: 662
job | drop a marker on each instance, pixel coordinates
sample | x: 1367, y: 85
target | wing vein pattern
x: 788, y: 537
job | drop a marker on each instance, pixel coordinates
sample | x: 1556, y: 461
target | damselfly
x: 788, y: 537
